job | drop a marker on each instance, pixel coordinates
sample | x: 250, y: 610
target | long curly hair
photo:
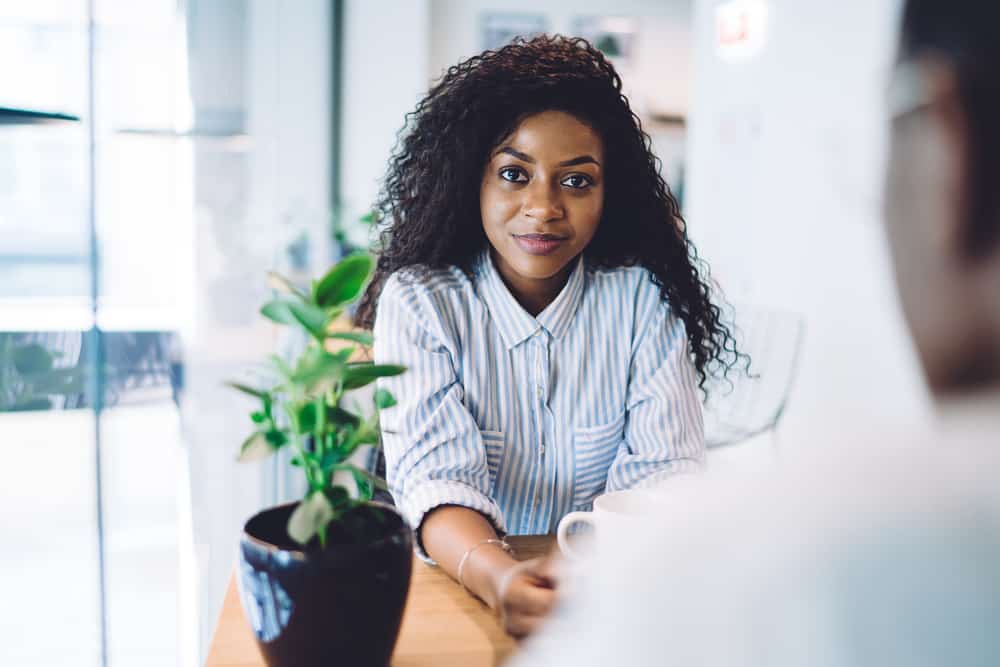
x: 429, y: 202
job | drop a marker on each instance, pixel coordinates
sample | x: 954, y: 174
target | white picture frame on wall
x: 500, y: 28
x: 614, y: 36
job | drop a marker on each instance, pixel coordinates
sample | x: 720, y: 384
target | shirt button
x: 541, y: 449
x: 540, y: 392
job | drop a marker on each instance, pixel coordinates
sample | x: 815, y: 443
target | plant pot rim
x: 300, y: 554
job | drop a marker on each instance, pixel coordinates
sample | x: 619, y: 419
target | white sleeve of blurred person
x: 860, y: 559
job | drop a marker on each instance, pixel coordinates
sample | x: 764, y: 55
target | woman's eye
x: 577, y: 181
x: 513, y: 175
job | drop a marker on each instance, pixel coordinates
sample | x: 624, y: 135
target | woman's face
x: 541, y: 197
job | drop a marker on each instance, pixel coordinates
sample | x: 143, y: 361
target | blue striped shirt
x: 527, y: 418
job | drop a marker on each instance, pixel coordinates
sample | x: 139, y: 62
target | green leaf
x: 364, y: 487
x: 277, y: 438
x: 384, y: 399
x: 31, y: 358
x: 258, y: 393
x: 307, y: 417
x: 338, y: 415
x: 283, y: 284
x: 338, y: 495
x: 363, y: 373
x: 331, y: 458
x: 283, y: 368
x: 310, y: 518
x: 255, y: 448
x: 362, y: 337
x: 343, y: 355
x: 366, y: 435
x: 257, y: 417
x: 318, y: 370
x: 278, y: 311
x: 361, y: 473
x: 312, y: 319
x: 344, y: 282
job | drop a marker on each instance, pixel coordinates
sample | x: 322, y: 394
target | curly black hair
x: 430, y: 195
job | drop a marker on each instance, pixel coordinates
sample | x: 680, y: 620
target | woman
x: 536, y: 278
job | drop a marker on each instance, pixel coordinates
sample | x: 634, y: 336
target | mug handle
x: 562, y: 532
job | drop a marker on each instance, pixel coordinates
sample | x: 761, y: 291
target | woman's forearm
x: 449, y: 532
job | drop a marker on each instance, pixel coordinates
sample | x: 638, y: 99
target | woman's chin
x: 536, y: 267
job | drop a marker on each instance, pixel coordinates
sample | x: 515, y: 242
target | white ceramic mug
x: 615, y: 516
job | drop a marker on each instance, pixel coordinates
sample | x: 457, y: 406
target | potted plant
x: 29, y: 378
x: 323, y: 580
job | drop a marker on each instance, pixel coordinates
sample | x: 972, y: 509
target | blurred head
x: 533, y: 151
x: 943, y: 188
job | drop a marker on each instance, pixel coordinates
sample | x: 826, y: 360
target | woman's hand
x: 522, y: 593
x: 525, y: 595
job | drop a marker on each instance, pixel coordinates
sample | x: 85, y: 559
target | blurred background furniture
x: 744, y: 405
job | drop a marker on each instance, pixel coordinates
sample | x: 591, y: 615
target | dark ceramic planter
x: 342, y: 605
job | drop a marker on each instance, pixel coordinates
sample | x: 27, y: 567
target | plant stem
x: 319, y: 442
x: 306, y: 458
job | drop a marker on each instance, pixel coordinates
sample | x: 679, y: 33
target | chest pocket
x: 594, y: 449
x: 493, y: 442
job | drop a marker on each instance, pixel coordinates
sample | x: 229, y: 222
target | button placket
x: 541, y: 378
x: 539, y: 374
x: 544, y: 377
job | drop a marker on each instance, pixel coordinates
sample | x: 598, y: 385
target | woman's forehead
x: 554, y: 135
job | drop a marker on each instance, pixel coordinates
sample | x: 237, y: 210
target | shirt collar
x: 515, y: 324
x: 558, y: 315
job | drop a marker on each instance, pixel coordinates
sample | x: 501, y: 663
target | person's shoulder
x: 853, y: 526
x: 847, y: 482
x: 633, y: 272
x: 434, y: 298
x: 420, y: 281
x: 622, y: 279
x: 632, y: 287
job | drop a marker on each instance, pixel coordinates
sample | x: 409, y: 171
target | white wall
x: 250, y: 205
x: 384, y: 68
x: 662, y: 48
x: 785, y: 160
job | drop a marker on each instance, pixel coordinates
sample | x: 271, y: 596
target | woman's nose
x: 542, y: 202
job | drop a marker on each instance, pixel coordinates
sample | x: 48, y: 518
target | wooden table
x: 442, y: 625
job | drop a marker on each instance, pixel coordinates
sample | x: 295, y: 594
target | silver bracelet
x: 461, y: 564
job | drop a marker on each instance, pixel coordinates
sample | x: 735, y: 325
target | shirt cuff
x: 435, y: 493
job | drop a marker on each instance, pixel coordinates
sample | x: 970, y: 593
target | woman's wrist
x: 485, y: 571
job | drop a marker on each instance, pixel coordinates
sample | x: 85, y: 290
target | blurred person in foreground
x: 882, y: 551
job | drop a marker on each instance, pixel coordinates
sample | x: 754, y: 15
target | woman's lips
x: 539, y: 244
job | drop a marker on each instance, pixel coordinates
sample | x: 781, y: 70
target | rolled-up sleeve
x: 433, y: 448
x: 664, y: 431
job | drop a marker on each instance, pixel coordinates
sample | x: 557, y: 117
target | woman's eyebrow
x: 583, y: 159
x: 524, y: 157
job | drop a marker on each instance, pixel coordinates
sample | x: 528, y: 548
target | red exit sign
x: 739, y: 27
x: 734, y: 28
